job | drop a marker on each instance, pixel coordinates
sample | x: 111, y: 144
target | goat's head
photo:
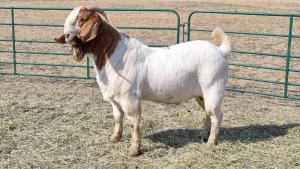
x: 81, y: 26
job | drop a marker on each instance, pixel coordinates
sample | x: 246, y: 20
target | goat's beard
x: 78, y: 54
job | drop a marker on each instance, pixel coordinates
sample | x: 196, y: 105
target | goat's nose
x: 67, y: 35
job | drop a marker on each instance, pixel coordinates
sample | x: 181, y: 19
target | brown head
x: 88, y: 31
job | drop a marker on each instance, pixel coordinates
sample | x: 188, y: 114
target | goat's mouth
x: 71, y: 42
x: 70, y: 39
x: 78, y: 54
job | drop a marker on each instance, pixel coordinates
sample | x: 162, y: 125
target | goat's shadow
x: 249, y: 134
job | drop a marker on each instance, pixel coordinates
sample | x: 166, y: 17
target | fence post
x: 189, y: 25
x: 13, y: 39
x: 288, y: 57
x: 88, y: 68
x: 178, y: 24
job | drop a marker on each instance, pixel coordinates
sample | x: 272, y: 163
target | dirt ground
x: 64, y: 123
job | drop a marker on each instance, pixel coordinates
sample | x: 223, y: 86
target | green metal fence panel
x: 15, y: 62
x: 288, y: 56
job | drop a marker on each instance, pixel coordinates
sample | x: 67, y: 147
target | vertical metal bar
x: 189, y: 27
x: 288, y: 57
x: 188, y: 31
x: 88, y: 68
x: 183, y: 31
x: 13, y: 39
x: 178, y: 27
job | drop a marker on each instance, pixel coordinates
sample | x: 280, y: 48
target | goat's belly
x: 169, y: 100
x: 170, y: 95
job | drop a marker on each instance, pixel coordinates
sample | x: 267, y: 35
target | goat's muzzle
x: 70, y: 38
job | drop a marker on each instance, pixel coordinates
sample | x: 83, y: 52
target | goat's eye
x: 85, y: 18
x: 82, y: 21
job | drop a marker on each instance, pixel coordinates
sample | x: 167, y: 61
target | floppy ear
x: 61, y: 39
x: 89, y: 30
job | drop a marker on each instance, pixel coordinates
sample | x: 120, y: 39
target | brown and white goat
x: 129, y: 71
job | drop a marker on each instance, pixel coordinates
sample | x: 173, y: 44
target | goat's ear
x: 89, y: 30
x: 61, y: 39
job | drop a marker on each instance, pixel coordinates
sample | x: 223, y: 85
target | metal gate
x: 287, y: 88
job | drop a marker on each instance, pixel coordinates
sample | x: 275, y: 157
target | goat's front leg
x: 118, y: 116
x: 134, y: 149
x: 133, y: 112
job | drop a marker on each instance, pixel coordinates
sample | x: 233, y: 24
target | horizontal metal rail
x: 246, y: 33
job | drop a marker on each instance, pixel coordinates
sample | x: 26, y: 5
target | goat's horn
x: 96, y: 9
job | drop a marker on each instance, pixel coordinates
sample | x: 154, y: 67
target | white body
x: 170, y: 75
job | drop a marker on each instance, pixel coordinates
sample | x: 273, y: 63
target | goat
x: 128, y: 71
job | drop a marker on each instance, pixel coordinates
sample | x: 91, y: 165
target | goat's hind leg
x: 118, y: 116
x: 213, y: 103
x: 207, y: 125
x: 215, y: 119
x: 206, y: 129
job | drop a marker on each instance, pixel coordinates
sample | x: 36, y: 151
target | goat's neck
x: 104, y: 45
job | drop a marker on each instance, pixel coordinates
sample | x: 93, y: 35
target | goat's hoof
x: 211, y: 144
x: 115, y: 138
x: 204, y: 136
x: 134, y: 151
x: 204, y: 139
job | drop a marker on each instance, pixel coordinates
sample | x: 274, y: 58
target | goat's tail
x: 225, y: 47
